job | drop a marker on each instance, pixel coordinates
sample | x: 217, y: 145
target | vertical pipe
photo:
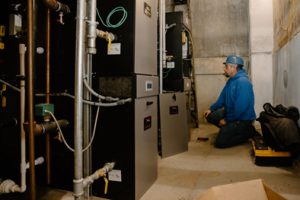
x: 91, y: 49
x: 91, y: 26
x: 87, y: 156
x: 164, y: 33
x: 160, y: 48
x: 48, y: 148
x: 30, y: 86
x: 79, y: 58
x: 162, y: 42
x: 22, y: 50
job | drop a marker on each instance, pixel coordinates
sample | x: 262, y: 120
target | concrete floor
x: 187, y: 175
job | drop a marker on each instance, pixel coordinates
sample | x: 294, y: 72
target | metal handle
x: 149, y: 103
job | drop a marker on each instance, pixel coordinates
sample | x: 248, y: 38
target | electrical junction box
x: 40, y: 109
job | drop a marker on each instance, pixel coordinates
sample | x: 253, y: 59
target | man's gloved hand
x: 206, y: 113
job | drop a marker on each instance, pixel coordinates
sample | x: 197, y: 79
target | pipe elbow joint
x: 57, y: 6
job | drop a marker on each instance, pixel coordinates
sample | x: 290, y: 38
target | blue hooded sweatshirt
x: 237, y: 98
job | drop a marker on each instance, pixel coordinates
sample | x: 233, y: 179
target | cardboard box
x: 248, y: 190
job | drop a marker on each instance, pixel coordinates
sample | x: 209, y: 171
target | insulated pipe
x: 30, y: 95
x: 47, y: 145
x: 22, y: 50
x: 79, y: 59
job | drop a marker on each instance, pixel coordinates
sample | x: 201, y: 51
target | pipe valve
x: 106, y: 184
x: 99, y: 173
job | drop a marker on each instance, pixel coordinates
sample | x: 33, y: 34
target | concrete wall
x: 261, y: 47
x: 286, y: 21
x: 287, y: 73
x: 287, y: 52
x: 219, y: 28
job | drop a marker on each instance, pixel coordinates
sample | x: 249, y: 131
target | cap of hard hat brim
x: 234, y: 59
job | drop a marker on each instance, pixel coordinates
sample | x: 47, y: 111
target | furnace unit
x: 127, y: 134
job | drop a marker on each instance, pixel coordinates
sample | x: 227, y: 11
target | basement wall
x: 286, y: 52
x: 261, y: 48
x: 219, y: 28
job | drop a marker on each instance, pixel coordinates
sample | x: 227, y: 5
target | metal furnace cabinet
x: 127, y: 134
x: 173, y: 123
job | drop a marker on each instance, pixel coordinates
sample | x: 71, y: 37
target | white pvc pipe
x: 22, y: 50
x: 38, y: 161
x: 8, y: 186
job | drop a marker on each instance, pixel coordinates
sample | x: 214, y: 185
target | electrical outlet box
x: 40, y: 109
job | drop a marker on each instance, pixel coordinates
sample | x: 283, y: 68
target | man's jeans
x: 232, y: 133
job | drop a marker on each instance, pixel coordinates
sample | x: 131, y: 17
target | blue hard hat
x: 234, y: 59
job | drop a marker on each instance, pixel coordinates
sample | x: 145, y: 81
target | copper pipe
x: 46, y: 127
x: 48, y: 147
x: 57, y: 6
x: 48, y: 56
x: 52, y: 4
x: 30, y: 95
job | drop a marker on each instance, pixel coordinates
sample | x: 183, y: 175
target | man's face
x: 229, y: 70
